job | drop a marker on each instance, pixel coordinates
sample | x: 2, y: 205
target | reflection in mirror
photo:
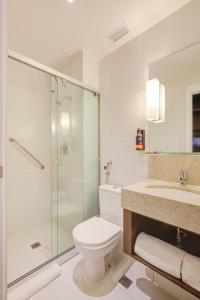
x: 179, y: 73
x: 196, y: 122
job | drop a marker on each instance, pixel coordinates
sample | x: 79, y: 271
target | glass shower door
x: 70, y: 162
x: 91, y: 153
x: 52, y: 165
x: 78, y: 159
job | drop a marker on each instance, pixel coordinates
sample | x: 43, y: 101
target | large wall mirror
x: 179, y: 73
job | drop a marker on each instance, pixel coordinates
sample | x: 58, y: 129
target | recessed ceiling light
x: 70, y: 1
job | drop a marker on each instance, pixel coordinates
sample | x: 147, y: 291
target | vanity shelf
x: 135, y: 223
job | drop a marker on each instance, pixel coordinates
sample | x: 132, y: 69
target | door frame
x: 190, y: 91
x: 3, y: 55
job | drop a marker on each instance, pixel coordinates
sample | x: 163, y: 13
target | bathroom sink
x: 176, y: 186
x: 165, y: 201
x: 173, y: 191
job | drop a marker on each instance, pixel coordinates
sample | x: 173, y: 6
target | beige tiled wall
x: 167, y: 167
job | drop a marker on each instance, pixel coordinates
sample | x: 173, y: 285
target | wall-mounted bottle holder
x: 140, y: 139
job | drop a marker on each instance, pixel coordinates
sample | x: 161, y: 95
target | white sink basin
x: 176, y: 186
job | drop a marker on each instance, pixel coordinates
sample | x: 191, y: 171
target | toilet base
x: 119, y: 265
x: 95, y: 269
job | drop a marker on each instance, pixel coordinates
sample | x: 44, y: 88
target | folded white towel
x: 27, y: 289
x: 191, y: 271
x: 160, y: 254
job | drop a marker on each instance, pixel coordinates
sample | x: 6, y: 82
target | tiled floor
x: 142, y: 288
x: 19, y: 250
x: 22, y: 258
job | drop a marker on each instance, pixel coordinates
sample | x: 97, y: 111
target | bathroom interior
x: 100, y: 150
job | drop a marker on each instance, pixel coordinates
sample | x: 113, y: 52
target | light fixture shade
x: 155, y: 98
x: 153, y: 91
x: 162, y: 104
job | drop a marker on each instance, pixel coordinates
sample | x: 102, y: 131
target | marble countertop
x: 176, y: 207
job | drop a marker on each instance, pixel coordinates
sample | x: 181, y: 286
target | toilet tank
x: 110, y: 203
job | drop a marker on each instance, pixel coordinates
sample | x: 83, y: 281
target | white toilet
x: 97, y: 237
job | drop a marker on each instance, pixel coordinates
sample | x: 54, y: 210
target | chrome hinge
x: 1, y: 172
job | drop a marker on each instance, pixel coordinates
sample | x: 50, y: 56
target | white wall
x: 83, y: 66
x: 90, y: 69
x: 123, y: 76
x: 73, y: 66
x: 28, y: 121
x: 3, y: 281
x: 121, y: 115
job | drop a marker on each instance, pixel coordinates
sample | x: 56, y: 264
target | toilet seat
x: 96, y: 232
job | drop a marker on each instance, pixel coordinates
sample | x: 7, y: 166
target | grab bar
x: 12, y: 140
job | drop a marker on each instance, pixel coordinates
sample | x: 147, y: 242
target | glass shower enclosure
x: 52, y: 164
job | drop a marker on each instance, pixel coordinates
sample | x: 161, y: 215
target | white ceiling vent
x: 119, y: 32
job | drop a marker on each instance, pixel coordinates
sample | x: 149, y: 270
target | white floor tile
x: 177, y: 291
x: 22, y: 258
x: 64, y: 288
x: 142, y: 288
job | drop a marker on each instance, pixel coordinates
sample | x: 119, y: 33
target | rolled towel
x: 160, y: 254
x: 28, y: 288
x: 191, y: 271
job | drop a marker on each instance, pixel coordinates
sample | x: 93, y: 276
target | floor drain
x: 125, y: 281
x: 35, y: 245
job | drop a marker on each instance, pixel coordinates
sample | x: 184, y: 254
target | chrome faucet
x: 183, y: 177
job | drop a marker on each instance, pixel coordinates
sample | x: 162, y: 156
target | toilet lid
x: 95, y: 232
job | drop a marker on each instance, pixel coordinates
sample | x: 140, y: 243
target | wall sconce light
x: 155, y: 97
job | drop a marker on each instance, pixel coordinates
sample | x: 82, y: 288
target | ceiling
x: 51, y: 30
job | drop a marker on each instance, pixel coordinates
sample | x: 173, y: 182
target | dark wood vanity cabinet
x: 135, y: 223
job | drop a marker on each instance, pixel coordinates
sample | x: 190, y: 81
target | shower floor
x: 23, y: 258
